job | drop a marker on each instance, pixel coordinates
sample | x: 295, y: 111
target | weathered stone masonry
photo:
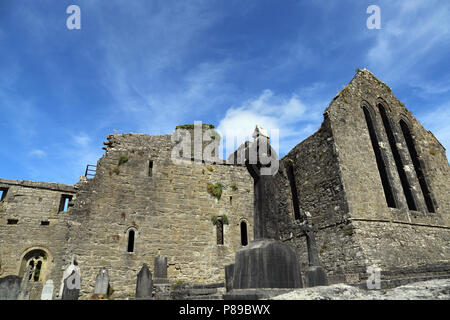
x: 31, y: 223
x: 392, y: 211
x: 339, y: 183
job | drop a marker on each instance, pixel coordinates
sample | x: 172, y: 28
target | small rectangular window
x: 150, y: 168
x: 64, y: 203
x: 13, y: 221
x: 45, y: 223
x: 3, y: 192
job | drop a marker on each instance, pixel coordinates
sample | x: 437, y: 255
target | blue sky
x: 147, y: 66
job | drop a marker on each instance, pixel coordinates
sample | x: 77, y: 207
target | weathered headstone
x: 47, y: 290
x: 71, y: 289
x: 144, y: 284
x: 160, y: 268
x: 102, y: 283
x: 71, y: 282
x: 266, y: 264
x: 229, y: 272
x: 10, y: 287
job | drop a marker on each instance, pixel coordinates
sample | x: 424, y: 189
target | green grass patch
x: 214, y: 189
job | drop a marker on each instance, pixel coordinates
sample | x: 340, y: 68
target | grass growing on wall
x: 214, y: 189
x: 122, y: 160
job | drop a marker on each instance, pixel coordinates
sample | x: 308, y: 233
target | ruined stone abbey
x: 375, y: 183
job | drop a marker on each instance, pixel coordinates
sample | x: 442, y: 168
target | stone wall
x: 170, y: 210
x: 27, y: 204
x: 339, y: 183
x: 334, y: 173
x: 390, y: 237
x: 321, y: 194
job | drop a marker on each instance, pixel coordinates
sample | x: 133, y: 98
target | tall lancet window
x: 398, y: 160
x: 417, y: 166
x: 387, y: 186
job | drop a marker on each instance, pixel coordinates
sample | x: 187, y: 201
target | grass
x: 214, y: 219
x: 191, y: 126
x: 214, y: 189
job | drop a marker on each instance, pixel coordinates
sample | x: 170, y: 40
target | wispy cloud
x: 408, y: 43
x: 37, y: 153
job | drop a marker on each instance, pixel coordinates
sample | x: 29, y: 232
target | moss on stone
x: 122, y: 160
x: 191, y: 126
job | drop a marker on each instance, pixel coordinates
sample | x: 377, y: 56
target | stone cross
x: 24, y: 294
x: 259, y: 160
x: 315, y: 275
x: 144, y: 284
x: 102, y: 282
x: 310, y: 230
x: 47, y: 290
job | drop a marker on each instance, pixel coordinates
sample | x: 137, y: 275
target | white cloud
x: 290, y: 116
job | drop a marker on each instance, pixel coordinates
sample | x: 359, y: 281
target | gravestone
x: 229, y: 272
x: 160, y: 268
x: 10, y: 287
x: 70, y: 282
x: 71, y: 289
x: 144, y: 284
x: 266, y: 266
x: 102, y: 283
x: 47, y: 290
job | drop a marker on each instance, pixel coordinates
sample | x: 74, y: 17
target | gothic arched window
x: 398, y: 160
x: 382, y: 169
x: 417, y: 166
x: 35, y: 261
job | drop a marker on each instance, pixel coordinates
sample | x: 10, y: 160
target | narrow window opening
x: 3, y: 192
x: 45, y: 223
x: 37, y: 272
x: 130, y: 241
x: 64, y: 203
x: 231, y: 201
x: 291, y: 177
x: 150, y: 168
x: 244, y: 239
x: 417, y: 166
x: 398, y: 161
x: 387, y: 188
x: 12, y: 221
x: 31, y: 264
x: 219, y: 231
